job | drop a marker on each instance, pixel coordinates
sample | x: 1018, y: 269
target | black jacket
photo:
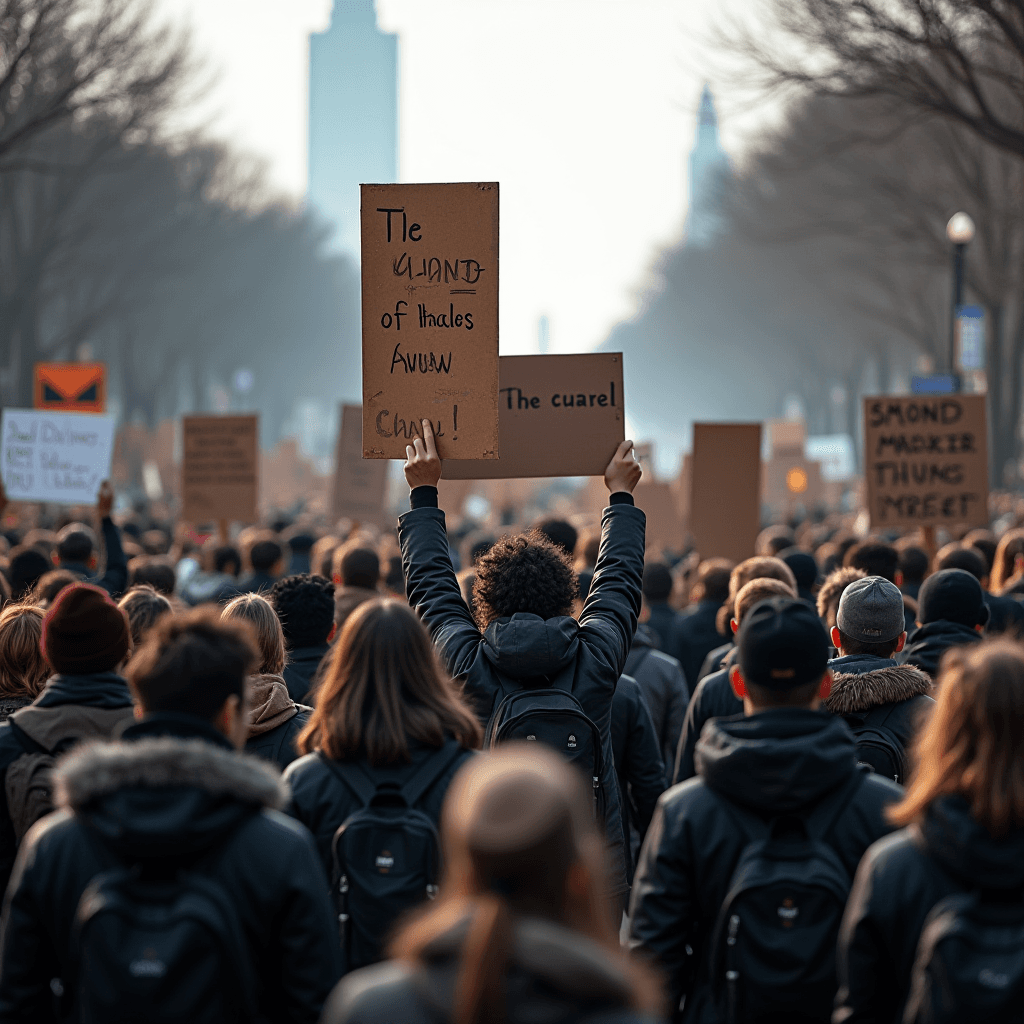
x: 695, y: 638
x: 556, y: 976
x: 322, y: 801
x: 713, y: 698
x: 663, y: 621
x: 927, y: 644
x: 664, y: 688
x: 637, y: 762
x: 525, y: 649
x: 301, y: 671
x: 278, y: 745
x: 1005, y: 615
x: 899, y: 880
x: 106, y: 701
x: 776, y: 762
x: 173, y: 786
x: 256, y: 582
x: 715, y: 660
x: 115, y: 570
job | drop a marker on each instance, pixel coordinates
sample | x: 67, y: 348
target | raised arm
x: 115, y: 571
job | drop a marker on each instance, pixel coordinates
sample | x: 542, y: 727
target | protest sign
x: 926, y: 461
x: 664, y: 522
x: 72, y: 387
x: 55, y: 456
x: 725, y: 489
x: 218, y: 469
x: 557, y: 416
x: 430, y: 318
x: 360, y: 485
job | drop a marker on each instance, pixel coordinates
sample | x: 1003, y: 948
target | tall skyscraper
x: 353, y: 114
x: 709, y: 170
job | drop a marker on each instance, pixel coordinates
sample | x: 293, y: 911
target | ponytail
x: 480, y: 987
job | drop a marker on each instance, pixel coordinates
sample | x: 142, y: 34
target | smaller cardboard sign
x: 665, y: 530
x: 558, y: 415
x: 55, y: 456
x: 725, y: 489
x: 926, y: 461
x: 72, y: 387
x: 360, y: 485
x: 219, y: 468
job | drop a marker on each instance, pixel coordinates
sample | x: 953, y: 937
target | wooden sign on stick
x: 725, y: 489
x: 557, y: 416
x: 926, y: 461
x: 219, y: 468
x: 430, y: 318
x: 360, y: 485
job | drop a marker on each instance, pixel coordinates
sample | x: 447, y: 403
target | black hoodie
x: 776, y: 762
x: 928, y: 643
x: 899, y: 881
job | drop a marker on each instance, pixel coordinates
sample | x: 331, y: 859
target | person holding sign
x: 524, y: 636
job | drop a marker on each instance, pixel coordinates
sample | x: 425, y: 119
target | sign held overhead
x: 220, y: 456
x: 430, y: 318
x: 360, y: 485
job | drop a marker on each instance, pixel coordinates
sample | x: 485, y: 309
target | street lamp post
x: 960, y: 231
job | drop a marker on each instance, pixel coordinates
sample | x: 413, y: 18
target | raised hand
x: 623, y: 472
x: 422, y: 465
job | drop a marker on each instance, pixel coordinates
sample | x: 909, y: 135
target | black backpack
x: 553, y: 716
x: 387, y: 858
x: 878, y: 747
x: 161, y: 945
x: 773, y: 948
x: 969, y: 967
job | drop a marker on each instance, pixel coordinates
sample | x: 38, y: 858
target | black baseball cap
x: 782, y: 644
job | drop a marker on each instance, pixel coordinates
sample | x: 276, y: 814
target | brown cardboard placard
x: 430, y: 318
x: 360, y: 488
x: 725, y: 489
x: 665, y: 529
x: 926, y: 460
x: 220, y: 455
x: 558, y: 415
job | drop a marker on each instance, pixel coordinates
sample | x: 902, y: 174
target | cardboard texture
x: 926, y: 460
x: 430, y: 318
x: 360, y: 485
x: 557, y: 416
x: 55, y: 456
x: 219, y: 468
x: 73, y: 387
x: 725, y: 489
x: 664, y: 523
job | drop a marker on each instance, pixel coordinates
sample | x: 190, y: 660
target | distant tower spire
x: 709, y: 169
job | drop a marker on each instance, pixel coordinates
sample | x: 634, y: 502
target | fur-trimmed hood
x: 891, y: 684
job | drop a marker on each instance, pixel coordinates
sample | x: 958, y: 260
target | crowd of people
x: 437, y: 775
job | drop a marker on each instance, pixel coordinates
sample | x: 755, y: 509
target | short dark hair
x: 226, y: 555
x: 305, y: 605
x: 879, y: 649
x: 50, y: 584
x: 191, y: 663
x: 913, y: 563
x: 875, y: 558
x: 153, y: 571
x: 953, y: 556
x: 657, y: 581
x: 265, y: 554
x: 144, y: 606
x: 525, y: 573
x: 357, y: 565
x: 562, y: 534
x: 75, y: 543
x: 712, y: 582
x: 26, y: 566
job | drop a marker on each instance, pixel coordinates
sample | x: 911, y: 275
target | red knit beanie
x: 85, y: 632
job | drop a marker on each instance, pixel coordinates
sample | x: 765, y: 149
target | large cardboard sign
x: 430, y: 318
x: 725, y: 489
x: 926, y: 460
x: 73, y: 387
x: 55, y: 456
x: 220, y: 456
x: 557, y: 416
x: 360, y: 485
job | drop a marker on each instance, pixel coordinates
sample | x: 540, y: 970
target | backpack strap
x: 430, y: 771
x: 354, y: 777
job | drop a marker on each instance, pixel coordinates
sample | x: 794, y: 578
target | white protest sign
x: 55, y: 456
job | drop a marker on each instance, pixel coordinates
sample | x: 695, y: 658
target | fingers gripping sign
x: 422, y: 464
x: 623, y: 472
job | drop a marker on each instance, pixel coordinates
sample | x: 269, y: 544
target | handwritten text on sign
x: 218, y: 469
x: 926, y: 460
x: 55, y: 456
x: 430, y: 318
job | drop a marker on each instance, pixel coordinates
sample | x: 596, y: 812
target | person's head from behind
x: 758, y: 567
x: 267, y: 556
x: 474, y: 547
x: 50, y: 584
x: 356, y: 565
x: 26, y: 566
x: 23, y: 668
x: 911, y: 565
x: 657, y: 583
x: 956, y: 556
x: 524, y: 573
x: 972, y: 744
x: 831, y: 593
x: 519, y: 840
x: 384, y: 690
x: 197, y: 663
x: 259, y: 613
x: 870, y: 619
x: 76, y: 545
x: 773, y: 539
x: 754, y: 593
x: 321, y: 556
x: 952, y: 595
x: 225, y: 559
x: 562, y: 534
x: 712, y: 581
x: 85, y: 633
x: 152, y: 571
x: 783, y: 657
x: 305, y: 607
x: 875, y: 558
x: 985, y: 543
x: 144, y: 606
x: 804, y: 569
x: 588, y: 545
x: 1009, y: 560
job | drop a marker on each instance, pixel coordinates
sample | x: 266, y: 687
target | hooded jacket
x: 928, y: 643
x: 664, y: 689
x: 713, y: 698
x: 524, y: 650
x: 695, y: 638
x: 556, y: 976
x: 173, y: 788
x: 785, y: 761
x: 275, y: 720
x: 899, y: 881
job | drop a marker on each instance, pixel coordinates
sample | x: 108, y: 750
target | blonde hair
x: 260, y: 614
x: 23, y: 668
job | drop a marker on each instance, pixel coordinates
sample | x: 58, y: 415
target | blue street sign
x: 935, y: 384
x: 970, y: 331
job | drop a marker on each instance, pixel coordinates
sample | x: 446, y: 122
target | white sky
x: 583, y: 110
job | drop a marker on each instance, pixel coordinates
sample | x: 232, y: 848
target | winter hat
x: 782, y: 644
x: 871, y: 611
x: 85, y: 632
x: 954, y: 595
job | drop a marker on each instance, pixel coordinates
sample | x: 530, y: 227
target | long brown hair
x: 1004, y: 566
x: 23, y: 669
x: 260, y: 614
x: 384, y: 687
x: 973, y: 744
x: 519, y: 838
